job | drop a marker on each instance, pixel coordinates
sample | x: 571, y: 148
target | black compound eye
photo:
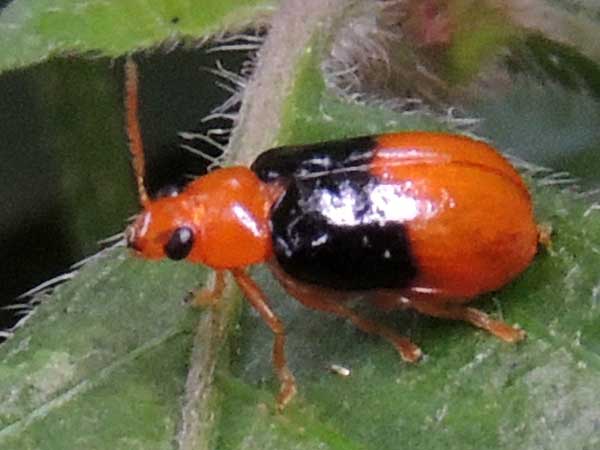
x: 170, y: 190
x: 180, y: 244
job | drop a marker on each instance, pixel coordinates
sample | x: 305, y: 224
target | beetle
x: 418, y: 220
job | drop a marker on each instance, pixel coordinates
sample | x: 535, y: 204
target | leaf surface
x: 105, y: 361
x: 34, y: 30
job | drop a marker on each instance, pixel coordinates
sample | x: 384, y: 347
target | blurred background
x: 66, y: 179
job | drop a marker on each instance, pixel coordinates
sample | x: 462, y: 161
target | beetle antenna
x: 136, y: 146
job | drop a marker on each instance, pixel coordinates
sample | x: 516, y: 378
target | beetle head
x: 163, y: 229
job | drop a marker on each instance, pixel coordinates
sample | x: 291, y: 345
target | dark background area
x: 66, y: 178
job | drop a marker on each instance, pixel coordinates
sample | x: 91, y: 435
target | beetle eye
x: 180, y: 244
x: 170, y: 190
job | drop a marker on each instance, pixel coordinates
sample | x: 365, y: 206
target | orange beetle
x: 414, y: 220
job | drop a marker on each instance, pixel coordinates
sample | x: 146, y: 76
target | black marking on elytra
x: 327, y: 231
x: 311, y: 159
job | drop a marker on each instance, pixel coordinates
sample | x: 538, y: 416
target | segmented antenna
x: 136, y: 146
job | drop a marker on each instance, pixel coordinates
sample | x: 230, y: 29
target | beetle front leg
x: 259, y: 301
x: 208, y: 296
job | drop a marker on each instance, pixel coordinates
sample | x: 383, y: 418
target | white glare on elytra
x: 385, y: 203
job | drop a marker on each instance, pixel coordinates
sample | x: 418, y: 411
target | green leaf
x: 113, y: 359
x: 550, y: 113
x: 86, y: 157
x: 102, y: 359
x: 103, y: 362
x: 34, y: 30
x: 471, y: 391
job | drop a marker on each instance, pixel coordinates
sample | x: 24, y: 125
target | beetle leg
x: 408, y: 351
x: 545, y: 235
x: 474, y: 316
x: 332, y: 302
x: 209, y: 296
x: 259, y: 301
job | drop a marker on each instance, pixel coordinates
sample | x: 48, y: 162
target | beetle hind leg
x: 544, y: 232
x: 408, y: 351
x: 332, y: 302
x: 476, y: 317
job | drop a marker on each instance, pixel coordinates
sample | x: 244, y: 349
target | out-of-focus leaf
x: 102, y: 362
x: 34, y: 30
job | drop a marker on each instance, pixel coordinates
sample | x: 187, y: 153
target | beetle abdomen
x: 423, y: 213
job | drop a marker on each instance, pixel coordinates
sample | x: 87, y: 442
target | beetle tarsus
x: 409, y: 352
x: 208, y: 296
x: 544, y: 231
x: 287, y: 389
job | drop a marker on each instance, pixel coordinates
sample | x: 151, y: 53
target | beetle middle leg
x: 258, y: 300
